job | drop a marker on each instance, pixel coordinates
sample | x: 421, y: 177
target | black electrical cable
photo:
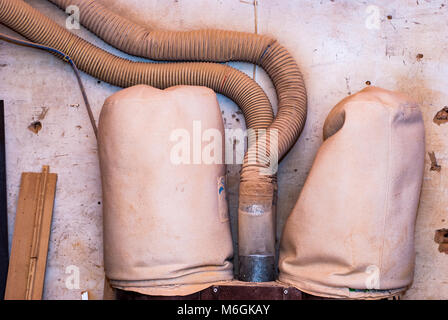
x: 4, y: 254
x: 66, y: 58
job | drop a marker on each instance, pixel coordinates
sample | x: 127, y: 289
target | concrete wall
x: 339, y: 45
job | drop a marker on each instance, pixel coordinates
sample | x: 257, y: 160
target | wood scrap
x: 28, y: 259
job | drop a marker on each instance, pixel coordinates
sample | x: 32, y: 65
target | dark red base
x: 237, y: 291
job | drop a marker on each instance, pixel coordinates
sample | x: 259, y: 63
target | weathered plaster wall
x: 339, y: 45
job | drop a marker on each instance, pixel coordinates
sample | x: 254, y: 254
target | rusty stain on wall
x: 35, y: 127
x: 434, y: 165
x: 441, y: 116
x: 441, y: 238
x: 43, y: 113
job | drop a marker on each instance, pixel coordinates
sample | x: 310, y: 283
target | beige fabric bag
x: 351, y: 232
x: 166, y: 226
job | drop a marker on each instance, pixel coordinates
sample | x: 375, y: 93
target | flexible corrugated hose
x: 70, y: 61
x: 257, y: 191
x: 207, y: 45
x: 33, y: 25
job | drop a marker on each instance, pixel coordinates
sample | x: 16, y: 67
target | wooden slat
x: 32, y: 227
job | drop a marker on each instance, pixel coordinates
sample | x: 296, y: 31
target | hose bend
x: 234, y: 84
x: 258, y: 179
x: 209, y: 45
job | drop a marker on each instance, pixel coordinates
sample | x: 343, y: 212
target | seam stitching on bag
x: 386, y: 200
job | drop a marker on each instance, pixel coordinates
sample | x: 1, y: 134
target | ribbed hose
x: 30, y: 23
x: 257, y: 191
x: 210, y: 45
x: 257, y: 196
x: 70, y: 61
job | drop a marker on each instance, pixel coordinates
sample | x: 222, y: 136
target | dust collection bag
x: 166, y: 225
x: 351, y: 232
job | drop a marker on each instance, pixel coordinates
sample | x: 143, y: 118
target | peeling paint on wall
x: 434, y: 165
x: 441, y: 116
x: 441, y: 238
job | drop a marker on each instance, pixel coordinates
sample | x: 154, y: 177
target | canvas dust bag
x: 166, y: 225
x: 351, y: 232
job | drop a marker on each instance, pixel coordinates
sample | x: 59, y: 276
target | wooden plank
x: 32, y: 227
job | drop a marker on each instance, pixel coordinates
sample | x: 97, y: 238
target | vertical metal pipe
x: 256, y: 233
